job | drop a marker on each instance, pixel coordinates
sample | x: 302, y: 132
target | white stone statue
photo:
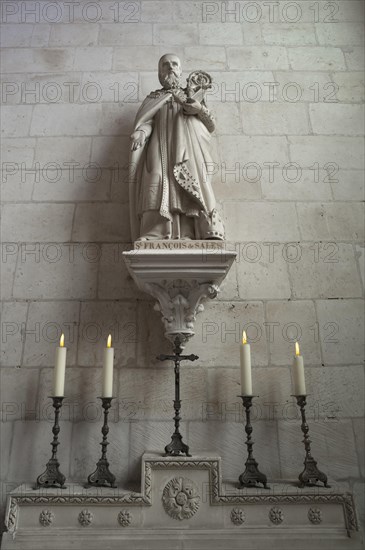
x: 171, y: 195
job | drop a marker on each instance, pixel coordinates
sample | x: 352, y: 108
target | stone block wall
x: 288, y: 176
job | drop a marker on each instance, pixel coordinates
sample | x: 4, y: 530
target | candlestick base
x: 252, y: 476
x: 52, y: 477
x: 311, y: 474
x: 177, y: 447
x: 102, y: 476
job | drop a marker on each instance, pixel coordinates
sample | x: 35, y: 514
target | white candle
x: 60, y: 367
x: 108, y: 364
x: 298, y: 373
x: 246, y: 378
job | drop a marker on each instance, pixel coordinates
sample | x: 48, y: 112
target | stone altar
x: 183, y: 504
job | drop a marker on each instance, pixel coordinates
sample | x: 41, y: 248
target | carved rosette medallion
x: 46, y: 518
x: 124, y: 518
x: 315, y: 515
x: 85, y: 518
x: 276, y: 515
x: 238, y: 516
x: 180, y: 498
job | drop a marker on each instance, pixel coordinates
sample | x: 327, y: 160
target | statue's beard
x: 171, y: 80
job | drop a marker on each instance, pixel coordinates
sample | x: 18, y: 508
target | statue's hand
x: 138, y: 139
x: 192, y: 108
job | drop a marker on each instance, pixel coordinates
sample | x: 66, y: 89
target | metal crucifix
x: 177, y: 447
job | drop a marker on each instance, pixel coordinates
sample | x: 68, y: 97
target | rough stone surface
x: 349, y: 185
x: 332, y: 118
x: 37, y: 222
x: 264, y: 119
x: 341, y: 325
x: 288, y: 322
x: 97, y: 321
x: 300, y: 184
x: 101, y: 223
x: 350, y: 86
x: 331, y: 222
x: 216, y: 336
x: 333, y: 271
x: 114, y: 281
x: 343, y: 151
x: 19, y: 394
x: 13, y: 319
x: 37, y: 272
x: 269, y: 57
x: 361, y: 259
x: 329, y: 389
x: 256, y: 270
x: 16, y: 120
x: 261, y: 221
x: 7, y: 269
x: 325, y: 59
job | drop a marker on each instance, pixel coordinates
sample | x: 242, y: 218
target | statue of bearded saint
x: 171, y: 195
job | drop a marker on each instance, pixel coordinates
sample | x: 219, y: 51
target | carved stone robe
x: 168, y: 174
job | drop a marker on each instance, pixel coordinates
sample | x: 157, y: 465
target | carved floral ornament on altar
x: 315, y: 515
x: 124, y: 518
x: 85, y: 518
x: 238, y: 516
x: 276, y: 515
x: 46, y: 518
x: 180, y: 498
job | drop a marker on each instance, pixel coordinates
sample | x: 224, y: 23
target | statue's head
x: 169, y: 70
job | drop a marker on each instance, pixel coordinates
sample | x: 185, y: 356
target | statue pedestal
x: 181, y: 275
x: 183, y: 504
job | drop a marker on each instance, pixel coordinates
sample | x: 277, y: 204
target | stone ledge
x: 181, y: 506
x: 172, y: 539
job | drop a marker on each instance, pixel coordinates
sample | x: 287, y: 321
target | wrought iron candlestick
x: 177, y: 447
x: 310, y: 475
x: 252, y: 475
x: 102, y: 477
x: 52, y: 477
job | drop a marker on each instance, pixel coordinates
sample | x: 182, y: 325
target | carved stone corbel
x: 179, y: 304
x: 180, y: 281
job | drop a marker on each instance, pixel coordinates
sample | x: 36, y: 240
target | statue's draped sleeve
x: 144, y: 120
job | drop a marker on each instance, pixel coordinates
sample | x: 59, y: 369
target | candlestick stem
x: 252, y: 475
x: 102, y: 476
x: 311, y: 474
x: 52, y: 477
x: 177, y: 447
